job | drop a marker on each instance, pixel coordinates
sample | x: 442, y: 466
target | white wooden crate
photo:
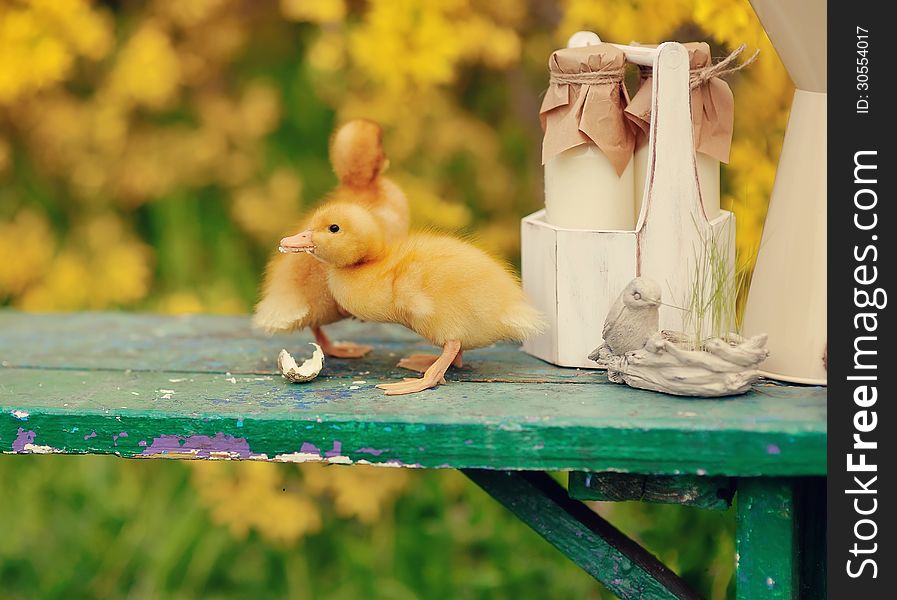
x: 573, y: 276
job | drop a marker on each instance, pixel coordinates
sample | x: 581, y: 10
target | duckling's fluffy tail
x: 523, y: 322
x: 356, y: 153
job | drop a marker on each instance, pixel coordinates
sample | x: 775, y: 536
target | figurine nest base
x: 668, y: 364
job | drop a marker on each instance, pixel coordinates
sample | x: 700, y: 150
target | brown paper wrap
x: 584, y: 104
x: 712, y: 107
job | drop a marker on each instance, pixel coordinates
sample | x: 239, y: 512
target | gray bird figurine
x: 632, y: 319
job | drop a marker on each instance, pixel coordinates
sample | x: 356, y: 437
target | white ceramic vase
x: 787, y: 298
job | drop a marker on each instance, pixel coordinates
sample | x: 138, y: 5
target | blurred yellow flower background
x: 151, y: 154
x: 117, y: 127
x: 283, y: 505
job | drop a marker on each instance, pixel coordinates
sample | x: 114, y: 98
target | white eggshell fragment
x: 296, y: 373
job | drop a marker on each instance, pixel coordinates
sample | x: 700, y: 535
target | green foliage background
x: 77, y: 527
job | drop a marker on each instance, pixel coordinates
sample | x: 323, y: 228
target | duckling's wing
x: 292, y: 283
x: 277, y: 313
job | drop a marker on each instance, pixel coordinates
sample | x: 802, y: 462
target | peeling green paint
x: 109, y: 374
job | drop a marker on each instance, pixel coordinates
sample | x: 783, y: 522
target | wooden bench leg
x: 812, y: 547
x: 603, y: 551
x: 766, y: 540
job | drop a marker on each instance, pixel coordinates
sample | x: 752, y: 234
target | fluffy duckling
x: 446, y: 290
x: 295, y: 293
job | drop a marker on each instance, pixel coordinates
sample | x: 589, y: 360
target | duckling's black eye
x: 636, y: 295
x: 334, y: 228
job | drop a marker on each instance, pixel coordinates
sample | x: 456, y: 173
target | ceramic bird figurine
x: 632, y: 319
x: 295, y: 293
x: 448, y: 291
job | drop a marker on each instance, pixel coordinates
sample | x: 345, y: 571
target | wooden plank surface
x: 221, y: 344
x: 204, y: 387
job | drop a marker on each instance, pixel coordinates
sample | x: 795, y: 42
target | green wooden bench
x: 207, y: 388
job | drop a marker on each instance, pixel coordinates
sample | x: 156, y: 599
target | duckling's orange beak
x: 301, y: 242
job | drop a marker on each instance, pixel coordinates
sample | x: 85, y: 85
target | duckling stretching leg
x: 433, y: 376
x: 339, y: 349
x: 422, y: 362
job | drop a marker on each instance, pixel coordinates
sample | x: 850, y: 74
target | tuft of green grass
x: 717, y: 278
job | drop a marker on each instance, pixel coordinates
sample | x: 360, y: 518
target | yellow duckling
x: 448, y: 291
x: 295, y: 293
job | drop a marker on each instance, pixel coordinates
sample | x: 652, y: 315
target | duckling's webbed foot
x: 418, y: 362
x: 422, y: 362
x: 433, y: 376
x: 348, y: 350
x: 339, y: 349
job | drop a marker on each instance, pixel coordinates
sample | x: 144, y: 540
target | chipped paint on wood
x: 298, y: 457
x: 200, y: 446
x: 373, y: 451
x: 489, y: 426
x: 24, y: 444
x: 38, y: 449
x: 23, y: 438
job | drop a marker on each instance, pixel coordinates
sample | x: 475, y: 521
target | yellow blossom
x: 26, y: 248
x: 508, y: 12
x: 41, y: 39
x: 259, y: 109
x: 410, y: 43
x: 430, y: 209
x: 362, y: 492
x: 147, y: 71
x: 500, y: 238
x: 48, y: 60
x: 328, y: 52
x: 213, y: 45
x: 218, y: 299
x: 180, y: 303
x: 267, y: 211
x: 64, y: 286
x: 188, y: 14
x: 224, y: 300
x: 314, y: 11
x: 253, y: 496
x: 646, y: 21
x: 88, y: 31
x: 5, y: 156
x: 101, y: 264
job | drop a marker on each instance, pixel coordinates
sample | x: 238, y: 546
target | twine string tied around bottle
x: 700, y: 76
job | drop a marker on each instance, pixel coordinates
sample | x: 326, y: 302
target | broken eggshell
x: 296, y: 373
